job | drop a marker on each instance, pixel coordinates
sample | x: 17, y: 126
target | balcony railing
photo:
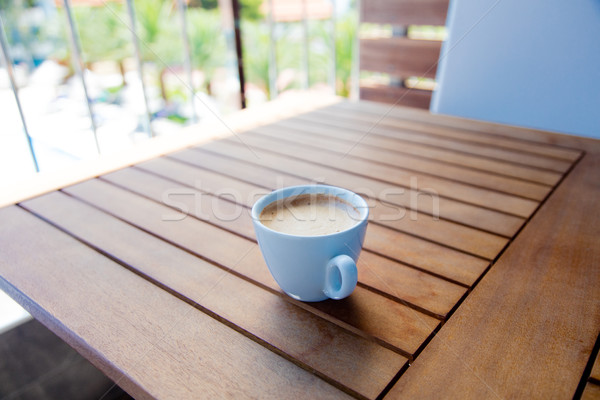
x: 86, y: 77
x: 79, y: 78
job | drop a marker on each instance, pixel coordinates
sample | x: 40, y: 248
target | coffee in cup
x: 310, y: 237
x: 310, y: 215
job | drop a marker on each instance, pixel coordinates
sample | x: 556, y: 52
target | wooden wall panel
x: 404, y: 12
x: 400, y: 56
x: 400, y: 96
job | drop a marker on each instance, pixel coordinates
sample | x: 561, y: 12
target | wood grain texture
x: 396, y: 95
x: 441, y: 137
x: 591, y: 392
x: 439, y: 260
x: 408, y: 199
x: 334, y: 353
x: 429, y: 256
x: 388, y: 276
x: 182, y: 302
x: 398, y: 326
x: 595, y: 374
x: 404, y: 12
x: 416, y: 150
x: 538, y: 307
x: 400, y: 56
x: 165, y: 346
x: 391, y: 156
x: 457, y: 236
x: 513, y: 137
x: 395, y: 176
x: 408, y: 285
x: 421, y: 290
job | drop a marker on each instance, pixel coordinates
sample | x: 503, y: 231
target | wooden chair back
x: 400, y: 56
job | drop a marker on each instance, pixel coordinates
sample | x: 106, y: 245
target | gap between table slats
x: 142, y: 327
x: 427, y: 152
x: 465, y: 214
x: 470, y: 130
x: 392, y: 157
x: 436, y: 258
x: 222, y: 247
x: 427, y: 184
x: 419, y: 133
x: 458, y: 237
x: 414, y: 288
x: 304, y: 338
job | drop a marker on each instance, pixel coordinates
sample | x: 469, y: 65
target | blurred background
x: 81, y: 79
x: 96, y: 76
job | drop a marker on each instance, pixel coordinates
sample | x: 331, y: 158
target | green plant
x: 207, y: 41
x: 250, y: 10
x: 346, y: 30
x: 256, y: 54
x: 159, y: 37
x: 319, y: 51
x: 102, y: 33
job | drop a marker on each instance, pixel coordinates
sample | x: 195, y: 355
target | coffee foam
x: 311, y: 214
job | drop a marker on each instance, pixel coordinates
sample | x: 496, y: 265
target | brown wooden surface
x: 595, y: 374
x: 400, y: 56
x: 538, y: 306
x: 404, y: 12
x: 452, y: 139
x: 433, y: 295
x: 591, y: 392
x: 396, y: 95
x: 122, y: 322
x: 403, y: 198
x: 518, y: 138
x: 408, y: 148
x: 407, y: 162
x: 254, y: 309
x: 140, y: 268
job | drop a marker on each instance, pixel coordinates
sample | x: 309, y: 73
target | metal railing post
x: 11, y: 77
x: 235, y: 8
x: 305, y: 61
x: 355, y: 73
x: 333, y: 20
x: 187, y: 56
x: 138, y: 57
x: 272, y: 54
x: 80, y: 68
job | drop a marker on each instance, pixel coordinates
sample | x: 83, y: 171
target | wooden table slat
x: 229, y: 250
x: 591, y: 392
x: 426, y: 255
x: 459, y: 237
x: 164, y: 344
x: 392, y: 157
x: 539, y: 305
x: 463, y: 238
x: 422, y: 290
x: 595, y: 374
x: 482, y: 218
x: 354, y: 362
x: 418, y: 133
x: 453, y: 190
x: 519, y: 138
x: 416, y: 150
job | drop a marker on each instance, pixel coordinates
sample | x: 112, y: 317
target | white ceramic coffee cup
x: 313, y: 268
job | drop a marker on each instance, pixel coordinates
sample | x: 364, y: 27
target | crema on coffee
x: 311, y: 214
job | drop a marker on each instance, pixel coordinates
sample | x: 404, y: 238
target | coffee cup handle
x: 341, y: 277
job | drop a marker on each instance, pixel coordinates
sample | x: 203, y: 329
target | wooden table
x: 487, y: 287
